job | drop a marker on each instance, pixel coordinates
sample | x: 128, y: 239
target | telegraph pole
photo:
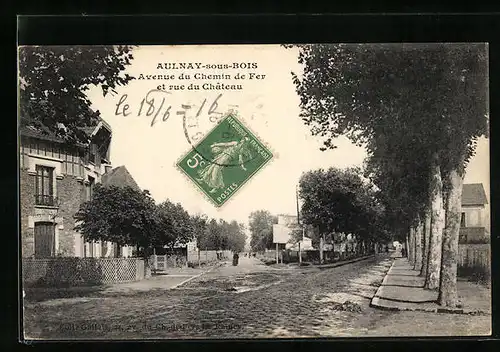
x: 298, y: 222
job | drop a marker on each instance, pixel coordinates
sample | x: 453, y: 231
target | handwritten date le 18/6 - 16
x: 156, y: 106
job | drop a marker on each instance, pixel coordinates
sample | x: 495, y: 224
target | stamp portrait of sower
x: 224, y: 155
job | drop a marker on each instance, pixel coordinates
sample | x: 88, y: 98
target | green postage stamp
x: 225, y: 159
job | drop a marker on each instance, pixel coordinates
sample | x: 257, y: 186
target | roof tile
x: 473, y: 194
x: 120, y: 177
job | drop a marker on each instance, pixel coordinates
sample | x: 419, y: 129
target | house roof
x: 473, y: 194
x: 46, y: 134
x: 120, y: 177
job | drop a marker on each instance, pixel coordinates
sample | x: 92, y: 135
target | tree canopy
x: 261, y: 230
x: 221, y: 235
x: 130, y: 217
x: 175, y: 227
x: 122, y: 215
x: 53, y: 81
x: 374, y: 89
x: 340, y: 201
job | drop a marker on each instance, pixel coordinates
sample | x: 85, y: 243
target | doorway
x: 45, y: 236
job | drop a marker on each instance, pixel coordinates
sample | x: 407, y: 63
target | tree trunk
x: 407, y: 247
x: 418, y: 246
x: 146, y: 262
x: 448, y: 295
x: 426, y: 238
x: 321, y: 240
x: 300, y: 249
x: 411, y: 242
x: 300, y: 255
x: 437, y: 220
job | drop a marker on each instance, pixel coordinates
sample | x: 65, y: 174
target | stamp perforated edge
x: 235, y: 114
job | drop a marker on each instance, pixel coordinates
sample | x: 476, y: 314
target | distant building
x: 287, y: 220
x: 285, y: 225
x: 120, y: 177
x: 473, y: 219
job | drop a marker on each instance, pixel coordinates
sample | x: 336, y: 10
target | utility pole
x: 298, y: 222
x: 277, y: 253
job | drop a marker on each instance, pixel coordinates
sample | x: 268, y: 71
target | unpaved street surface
x: 250, y: 300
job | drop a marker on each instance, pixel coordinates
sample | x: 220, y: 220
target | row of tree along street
x: 419, y: 110
x: 338, y: 202
x: 335, y: 203
x: 130, y: 217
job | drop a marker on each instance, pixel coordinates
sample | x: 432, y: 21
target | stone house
x: 474, y: 214
x: 55, y: 178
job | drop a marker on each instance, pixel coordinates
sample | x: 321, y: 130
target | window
x: 462, y: 220
x: 92, y: 153
x: 44, y: 192
x: 89, y: 191
x: 44, y: 239
x: 473, y: 219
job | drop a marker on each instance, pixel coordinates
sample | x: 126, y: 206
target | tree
x: 121, y: 215
x: 296, y: 237
x: 175, y: 225
x: 403, y: 184
x: 236, y: 237
x: 340, y: 201
x: 431, y: 94
x: 53, y: 82
x: 223, y: 235
x: 261, y: 229
x: 200, y: 229
x: 212, y: 240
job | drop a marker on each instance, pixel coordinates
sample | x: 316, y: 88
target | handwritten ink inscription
x: 155, y: 105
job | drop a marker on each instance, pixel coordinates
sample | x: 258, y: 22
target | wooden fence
x: 474, y: 260
x: 206, y: 257
x: 163, y: 262
x: 311, y: 256
x: 71, y: 271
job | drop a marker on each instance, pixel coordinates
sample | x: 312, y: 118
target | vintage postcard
x: 254, y: 191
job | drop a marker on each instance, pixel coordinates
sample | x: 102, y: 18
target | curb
x: 335, y: 265
x: 376, y: 303
x: 384, y: 281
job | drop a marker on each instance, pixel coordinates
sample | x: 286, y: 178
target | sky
x: 269, y: 106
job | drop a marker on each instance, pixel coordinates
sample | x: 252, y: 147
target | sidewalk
x: 173, y: 278
x: 402, y: 289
